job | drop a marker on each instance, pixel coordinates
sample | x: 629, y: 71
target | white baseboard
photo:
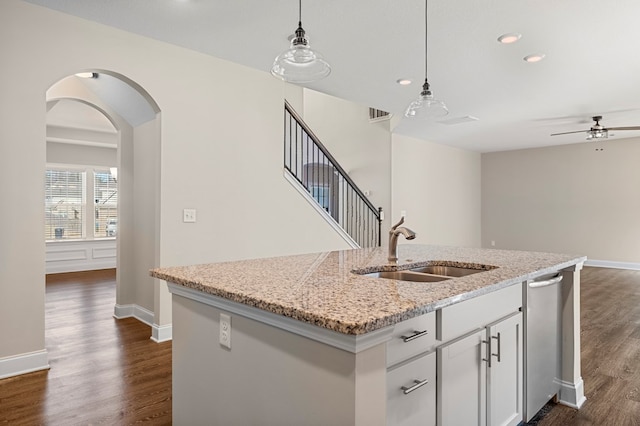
x: 23, y: 363
x: 161, y: 333
x: 611, y: 264
x: 133, y: 311
x: 572, y: 394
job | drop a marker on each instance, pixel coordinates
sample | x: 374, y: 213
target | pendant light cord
x: 426, y: 37
x: 300, y: 13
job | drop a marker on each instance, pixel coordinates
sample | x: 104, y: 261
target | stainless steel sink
x: 406, y: 276
x: 448, y: 271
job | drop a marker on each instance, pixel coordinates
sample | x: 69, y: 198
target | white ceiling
x: 78, y: 115
x: 591, y: 63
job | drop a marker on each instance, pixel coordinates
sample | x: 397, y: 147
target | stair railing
x: 328, y: 183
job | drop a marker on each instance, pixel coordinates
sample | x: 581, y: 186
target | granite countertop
x: 321, y: 288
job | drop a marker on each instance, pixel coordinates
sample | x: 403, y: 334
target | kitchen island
x: 313, y: 339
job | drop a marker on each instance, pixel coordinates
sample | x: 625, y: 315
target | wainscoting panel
x: 74, y: 256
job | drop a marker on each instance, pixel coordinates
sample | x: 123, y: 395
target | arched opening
x: 108, y: 124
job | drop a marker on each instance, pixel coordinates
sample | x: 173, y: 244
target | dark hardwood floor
x: 610, y: 339
x: 105, y: 371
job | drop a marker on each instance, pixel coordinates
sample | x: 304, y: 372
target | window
x: 321, y: 194
x: 105, y: 192
x: 68, y: 214
x: 64, y: 204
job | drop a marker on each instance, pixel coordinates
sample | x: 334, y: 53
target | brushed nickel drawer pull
x: 415, y: 335
x: 488, y: 359
x: 418, y: 384
x: 499, y: 351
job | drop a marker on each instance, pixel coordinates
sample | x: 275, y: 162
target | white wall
x: 146, y: 164
x: 581, y: 198
x: 439, y: 188
x: 64, y: 153
x: 220, y: 155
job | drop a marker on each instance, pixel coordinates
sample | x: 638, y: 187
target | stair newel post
x: 380, y: 226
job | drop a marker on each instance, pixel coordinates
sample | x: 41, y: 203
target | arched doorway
x: 135, y: 118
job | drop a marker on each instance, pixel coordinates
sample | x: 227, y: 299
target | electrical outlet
x: 225, y: 330
x: 189, y: 215
x: 493, y: 243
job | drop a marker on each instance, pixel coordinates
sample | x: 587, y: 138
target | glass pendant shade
x: 300, y: 64
x: 426, y: 107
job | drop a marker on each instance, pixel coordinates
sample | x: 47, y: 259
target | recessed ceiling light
x: 87, y: 74
x: 536, y: 57
x: 509, y: 38
x: 403, y: 81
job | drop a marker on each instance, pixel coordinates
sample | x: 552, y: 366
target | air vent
x: 459, y: 120
x: 378, y: 115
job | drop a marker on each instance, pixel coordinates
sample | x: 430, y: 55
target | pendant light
x: 426, y: 106
x: 300, y: 64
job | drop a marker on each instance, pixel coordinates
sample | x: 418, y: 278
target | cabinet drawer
x: 464, y: 317
x: 409, y: 402
x: 411, y: 338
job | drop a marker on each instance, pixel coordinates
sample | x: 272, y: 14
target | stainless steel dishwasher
x: 542, y: 319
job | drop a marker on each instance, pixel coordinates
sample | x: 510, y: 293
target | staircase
x: 339, y: 199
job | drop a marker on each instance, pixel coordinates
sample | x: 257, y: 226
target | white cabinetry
x: 411, y: 373
x: 411, y: 392
x: 482, y: 370
x: 462, y: 381
x: 504, y: 379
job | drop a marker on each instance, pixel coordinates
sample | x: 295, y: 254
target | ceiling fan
x: 598, y: 131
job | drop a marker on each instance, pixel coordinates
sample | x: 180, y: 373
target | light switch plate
x: 189, y: 215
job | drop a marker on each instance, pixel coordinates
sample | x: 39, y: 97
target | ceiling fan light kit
x: 426, y: 106
x: 300, y: 63
x: 597, y: 134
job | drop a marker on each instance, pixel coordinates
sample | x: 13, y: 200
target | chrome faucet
x: 393, y: 239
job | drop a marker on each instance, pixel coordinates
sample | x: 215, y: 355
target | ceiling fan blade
x: 566, y: 133
x: 624, y: 128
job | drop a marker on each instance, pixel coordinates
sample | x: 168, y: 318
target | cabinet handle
x: 415, y: 335
x: 488, y: 359
x: 418, y: 384
x: 499, y: 351
x: 546, y: 283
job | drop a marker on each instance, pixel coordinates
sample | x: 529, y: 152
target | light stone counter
x: 322, y: 290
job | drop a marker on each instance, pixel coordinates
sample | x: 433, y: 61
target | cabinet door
x: 504, y: 382
x: 411, y: 393
x: 462, y: 381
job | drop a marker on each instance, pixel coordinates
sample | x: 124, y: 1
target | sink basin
x: 429, y: 273
x: 448, y: 271
x: 406, y: 276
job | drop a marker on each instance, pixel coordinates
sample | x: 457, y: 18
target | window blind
x: 65, y: 204
x: 105, y: 190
